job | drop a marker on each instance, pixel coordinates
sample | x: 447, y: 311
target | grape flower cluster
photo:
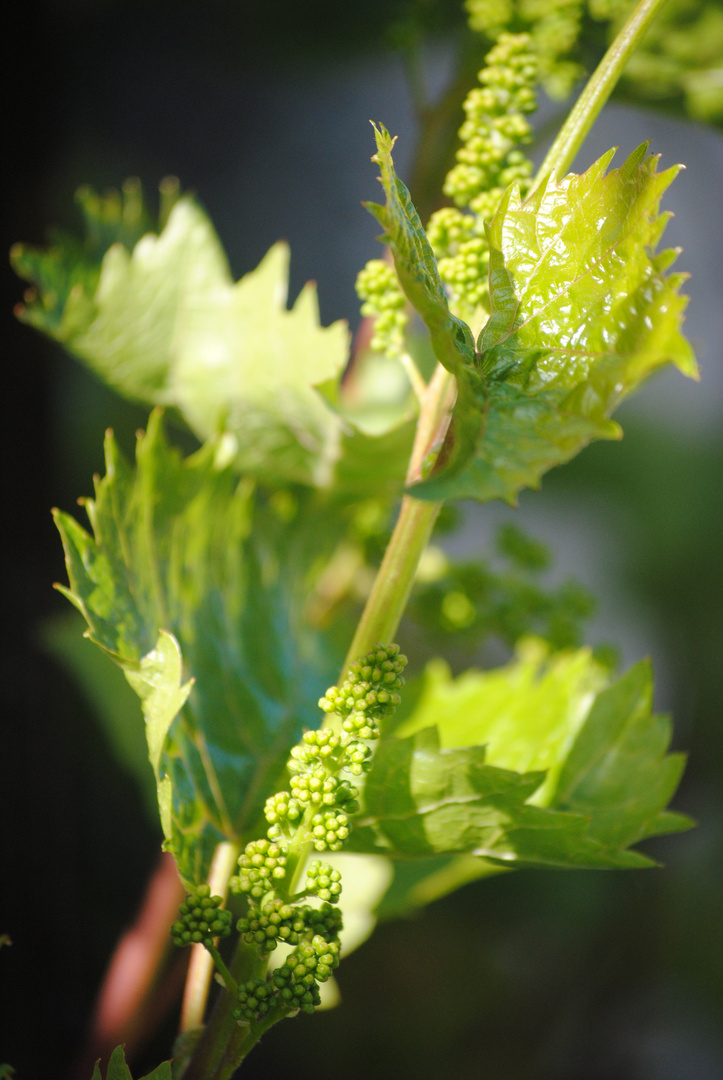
x: 554, y: 26
x: 382, y: 299
x: 314, y: 814
x: 202, y: 919
x: 488, y: 160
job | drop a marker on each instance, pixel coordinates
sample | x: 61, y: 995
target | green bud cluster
x: 262, y: 864
x: 465, y: 273
x: 329, y: 830
x: 283, y: 809
x: 325, y: 921
x: 488, y: 160
x: 489, y: 17
x: 317, y: 788
x: 255, y: 999
x: 495, y: 123
x: 369, y: 691
x: 202, y: 919
x: 315, y: 813
x: 323, y: 880
x: 274, y: 923
x: 554, y: 26
x: 311, y: 963
x: 383, y: 300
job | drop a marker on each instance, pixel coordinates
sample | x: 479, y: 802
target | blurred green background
x: 263, y: 110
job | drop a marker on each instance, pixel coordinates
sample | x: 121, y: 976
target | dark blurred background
x: 263, y: 110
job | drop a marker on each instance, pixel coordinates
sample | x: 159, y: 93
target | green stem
x: 222, y: 1040
x: 386, y: 602
x: 393, y: 582
x: 228, y: 979
x: 599, y: 88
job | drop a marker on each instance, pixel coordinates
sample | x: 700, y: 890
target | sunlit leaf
x: 159, y: 318
x: 527, y: 713
x: 582, y: 312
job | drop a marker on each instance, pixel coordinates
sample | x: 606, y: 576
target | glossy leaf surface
x: 582, y: 312
x: 173, y: 553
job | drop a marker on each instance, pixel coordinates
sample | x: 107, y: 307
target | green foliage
x: 467, y: 602
x: 418, y: 274
x: 173, y: 551
x: 415, y: 263
x: 118, y: 1070
x: 618, y: 772
x: 582, y: 312
x: 207, y: 578
x: 526, y: 713
x: 437, y: 791
x: 216, y: 351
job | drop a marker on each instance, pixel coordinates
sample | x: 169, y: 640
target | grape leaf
x: 180, y: 547
x: 421, y: 800
x: 416, y: 267
x: 163, y: 323
x: 372, y: 466
x: 526, y: 713
x: 608, y: 782
x: 118, y: 1070
x: 582, y: 312
x: 618, y: 772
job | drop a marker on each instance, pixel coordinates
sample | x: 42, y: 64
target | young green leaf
x: 163, y: 323
x: 582, y: 312
x: 608, y: 783
x: 118, y: 1070
x: 618, y: 772
x: 526, y: 713
x: 416, y: 267
x: 173, y: 552
x: 421, y: 800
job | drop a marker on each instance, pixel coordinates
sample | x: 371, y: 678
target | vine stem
x: 573, y: 132
x: 395, y: 577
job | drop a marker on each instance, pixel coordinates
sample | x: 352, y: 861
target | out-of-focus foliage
x: 679, y: 62
x: 118, y: 1070
x: 464, y: 603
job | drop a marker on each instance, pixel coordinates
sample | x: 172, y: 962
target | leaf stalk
x: 600, y: 86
